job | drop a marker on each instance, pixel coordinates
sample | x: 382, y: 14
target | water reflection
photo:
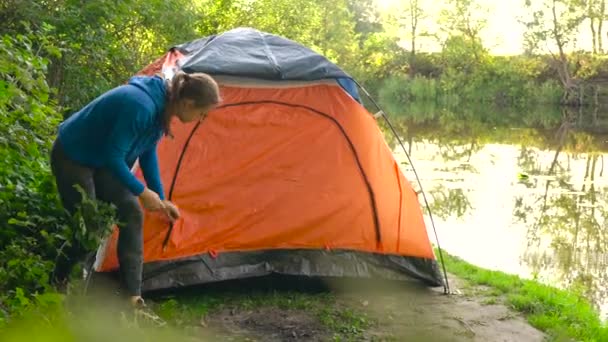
x: 522, y: 191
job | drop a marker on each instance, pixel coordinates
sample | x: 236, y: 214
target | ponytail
x: 177, y: 85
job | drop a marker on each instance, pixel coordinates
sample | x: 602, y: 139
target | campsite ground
x: 479, y: 308
x: 363, y: 311
x: 484, y: 306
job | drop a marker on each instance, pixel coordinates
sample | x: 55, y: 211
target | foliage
x: 327, y: 27
x: 104, y: 41
x: 501, y: 81
x: 33, y: 225
x: 554, y: 22
x: 52, y: 322
x: 29, y: 216
x: 463, y: 18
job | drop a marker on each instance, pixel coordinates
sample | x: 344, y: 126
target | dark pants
x: 100, y: 184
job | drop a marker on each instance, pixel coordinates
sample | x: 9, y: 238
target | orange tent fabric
x: 284, y: 168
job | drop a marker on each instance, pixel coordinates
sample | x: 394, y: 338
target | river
x: 520, y: 191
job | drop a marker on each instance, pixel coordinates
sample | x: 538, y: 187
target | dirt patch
x: 267, y: 324
x: 422, y: 314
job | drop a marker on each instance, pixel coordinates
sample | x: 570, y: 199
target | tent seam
x: 270, y: 56
x: 177, y: 167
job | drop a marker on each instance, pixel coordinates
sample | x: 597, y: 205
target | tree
x: 409, y: 20
x: 415, y: 14
x: 595, y: 13
x: 466, y: 19
x: 463, y: 17
x: 556, y: 22
x: 105, y: 40
x: 367, y: 19
x: 401, y: 24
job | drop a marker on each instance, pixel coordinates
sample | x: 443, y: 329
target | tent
x: 290, y: 175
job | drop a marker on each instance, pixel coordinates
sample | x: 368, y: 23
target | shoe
x: 143, y: 313
x: 61, y: 285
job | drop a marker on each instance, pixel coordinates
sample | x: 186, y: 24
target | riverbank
x: 559, y: 313
x: 485, y: 305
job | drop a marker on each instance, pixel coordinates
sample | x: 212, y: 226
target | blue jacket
x: 118, y: 127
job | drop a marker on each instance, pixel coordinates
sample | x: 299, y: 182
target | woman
x: 97, y: 146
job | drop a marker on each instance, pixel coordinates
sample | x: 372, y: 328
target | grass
x: 561, y: 314
x: 342, y: 323
x: 345, y: 324
x: 186, y: 315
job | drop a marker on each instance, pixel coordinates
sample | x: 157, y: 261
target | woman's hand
x: 171, y: 210
x: 150, y: 200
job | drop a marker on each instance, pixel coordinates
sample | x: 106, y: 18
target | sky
x: 503, y: 34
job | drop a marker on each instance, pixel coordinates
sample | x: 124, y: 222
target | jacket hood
x: 154, y: 86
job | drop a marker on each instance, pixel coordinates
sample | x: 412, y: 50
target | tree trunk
x: 592, y: 16
x: 599, y: 26
x: 414, y: 25
x: 562, y: 62
x: 563, y: 65
x: 55, y: 77
x: 593, y: 34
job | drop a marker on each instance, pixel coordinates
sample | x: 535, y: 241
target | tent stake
x: 381, y: 112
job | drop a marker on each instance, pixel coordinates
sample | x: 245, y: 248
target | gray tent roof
x: 251, y: 53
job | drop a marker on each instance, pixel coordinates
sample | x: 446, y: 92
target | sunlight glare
x: 384, y: 4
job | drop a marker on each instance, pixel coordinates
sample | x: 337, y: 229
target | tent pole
x: 382, y: 113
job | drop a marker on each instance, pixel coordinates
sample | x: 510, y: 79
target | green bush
x: 33, y: 225
x: 490, y: 84
x: 31, y: 221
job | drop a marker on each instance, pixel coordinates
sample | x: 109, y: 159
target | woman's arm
x: 121, y: 138
x: 148, y: 162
